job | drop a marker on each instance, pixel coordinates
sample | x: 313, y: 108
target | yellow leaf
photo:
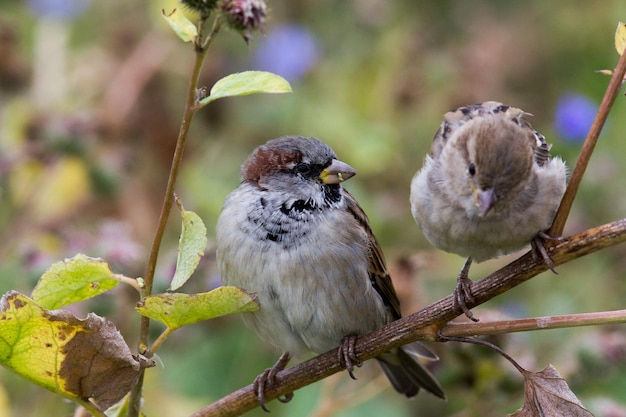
x: 620, y: 37
x: 176, y: 310
x: 246, y: 83
x: 604, y: 72
x: 73, y: 280
x: 183, y: 27
x: 80, y: 359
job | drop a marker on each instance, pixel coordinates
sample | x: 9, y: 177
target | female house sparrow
x: 291, y: 233
x: 488, y: 188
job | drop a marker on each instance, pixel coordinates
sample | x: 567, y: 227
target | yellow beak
x: 337, y: 173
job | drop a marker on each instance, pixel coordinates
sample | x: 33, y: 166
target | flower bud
x: 244, y: 15
x: 203, y: 7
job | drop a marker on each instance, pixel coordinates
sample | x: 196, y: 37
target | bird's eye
x: 472, y: 169
x: 303, y: 168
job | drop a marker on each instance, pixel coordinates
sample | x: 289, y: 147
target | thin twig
x: 590, y: 142
x: 91, y: 409
x: 485, y: 344
x: 129, y: 281
x: 484, y: 328
x: 158, y: 342
x: 424, y: 324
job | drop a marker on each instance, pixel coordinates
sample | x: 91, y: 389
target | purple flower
x: 574, y: 116
x: 244, y: 15
x: 289, y: 51
x: 61, y: 9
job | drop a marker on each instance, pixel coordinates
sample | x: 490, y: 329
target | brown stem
x: 487, y: 345
x: 424, y: 324
x: 484, y: 328
x: 201, y: 48
x: 590, y: 142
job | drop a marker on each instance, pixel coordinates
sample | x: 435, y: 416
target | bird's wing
x: 379, y: 277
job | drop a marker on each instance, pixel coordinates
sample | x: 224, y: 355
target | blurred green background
x: 91, y: 94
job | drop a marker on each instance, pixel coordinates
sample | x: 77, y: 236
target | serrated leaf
x: 73, y: 280
x: 183, y: 27
x: 176, y: 310
x: 245, y: 83
x: 79, y: 359
x: 547, y: 394
x: 191, y: 246
x: 620, y: 37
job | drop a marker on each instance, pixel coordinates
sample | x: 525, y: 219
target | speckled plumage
x: 291, y: 233
x: 455, y: 209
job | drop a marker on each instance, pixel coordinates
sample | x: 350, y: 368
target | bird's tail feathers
x: 407, y: 374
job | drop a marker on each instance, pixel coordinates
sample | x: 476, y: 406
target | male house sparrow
x: 291, y: 233
x: 488, y: 188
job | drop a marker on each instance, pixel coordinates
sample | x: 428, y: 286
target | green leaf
x: 620, y: 37
x: 121, y: 409
x: 176, y: 310
x: 183, y: 27
x: 191, y: 246
x: 245, y: 83
x: 73, y: 280
x: 82, y: 360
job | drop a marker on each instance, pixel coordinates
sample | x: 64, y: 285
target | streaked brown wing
x: 381, y: 281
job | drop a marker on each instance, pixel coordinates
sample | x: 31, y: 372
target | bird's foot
x: 539, y: 249
x: 268, y: 379
x: 463, y: 290
x: 346, y: 355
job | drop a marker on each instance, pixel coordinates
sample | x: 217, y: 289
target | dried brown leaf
x: 86, y: 360
x: 546, y: 394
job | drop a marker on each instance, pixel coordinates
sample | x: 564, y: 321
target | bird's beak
x: 485, y: 200
x: 337, y: 172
